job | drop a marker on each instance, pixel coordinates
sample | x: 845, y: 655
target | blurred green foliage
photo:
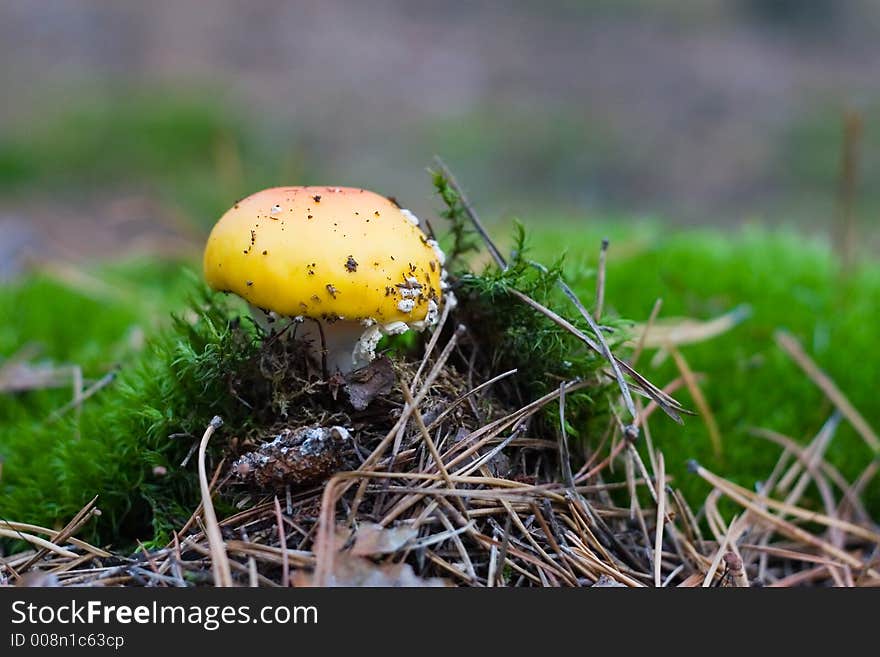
x: 809, y: 165
x: 556, y: 154
x: 172, y: 384
x: 189, y: 152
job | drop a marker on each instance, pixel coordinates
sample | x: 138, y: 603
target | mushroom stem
x: 345, y: 345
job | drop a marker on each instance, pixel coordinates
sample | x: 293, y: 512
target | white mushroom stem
x: 344, y: 345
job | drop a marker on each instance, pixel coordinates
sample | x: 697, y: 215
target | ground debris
x: 366, y: 384
x: 350, y: 570
x: 372, y: 538
x: 296, y: 457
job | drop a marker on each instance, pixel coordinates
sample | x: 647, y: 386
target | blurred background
x: 131, y: 126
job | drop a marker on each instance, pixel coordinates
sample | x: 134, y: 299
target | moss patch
x: 53, y: 465
x: 789, y: 282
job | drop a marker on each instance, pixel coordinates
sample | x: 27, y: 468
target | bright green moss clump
x: 173, y: 385
x: 790, y: 283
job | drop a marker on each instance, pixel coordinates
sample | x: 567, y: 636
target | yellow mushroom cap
x: 326, y: 252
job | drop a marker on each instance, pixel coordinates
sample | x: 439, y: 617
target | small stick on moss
x: 219, y: 560
x: 600, y: 280
x: 699, y: 399
x: 37, y: 542
x: 655, y: 311
x: 98, y: 385
x: 670, y: 406
x: 36, y: 529
x: 794, y: 349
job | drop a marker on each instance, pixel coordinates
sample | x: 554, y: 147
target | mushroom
x: 349, y: 264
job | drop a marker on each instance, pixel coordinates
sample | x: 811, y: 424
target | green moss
x: 52, y: 466
x: 790, y: 283
x: 95, y: 324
